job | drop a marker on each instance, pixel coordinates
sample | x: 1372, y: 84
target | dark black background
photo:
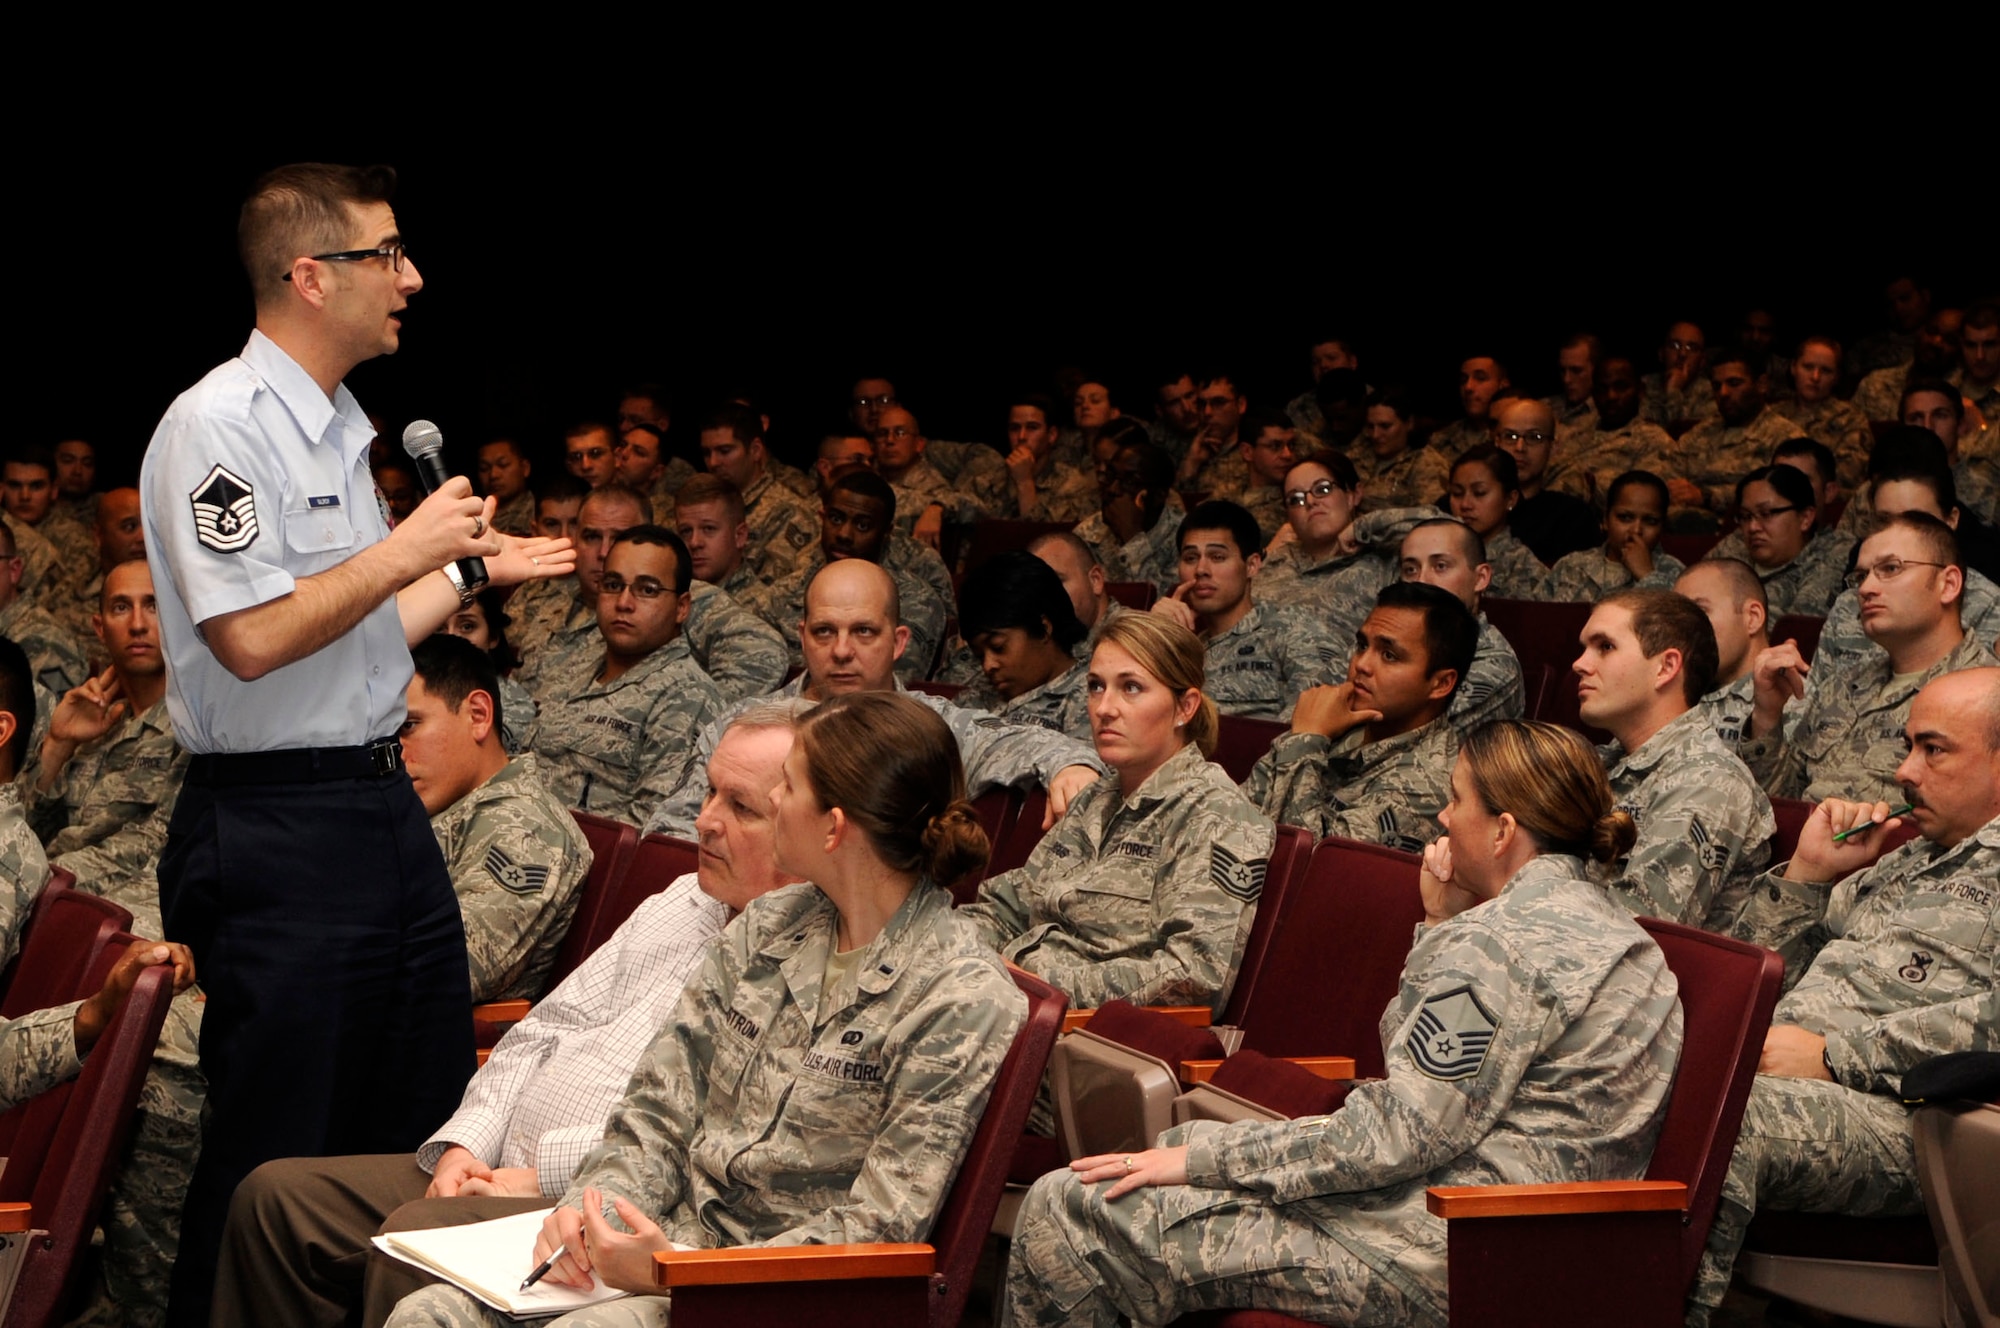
x: 960, y: 254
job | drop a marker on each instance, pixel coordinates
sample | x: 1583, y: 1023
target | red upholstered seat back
x: 612, y: 844
x: 1289, y: 856
x: 1243, y: 742
x: 1280, y: 1085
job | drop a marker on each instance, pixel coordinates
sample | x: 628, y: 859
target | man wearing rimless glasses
x: 1844, y: 738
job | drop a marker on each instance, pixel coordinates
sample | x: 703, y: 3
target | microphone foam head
x: 422, y: 439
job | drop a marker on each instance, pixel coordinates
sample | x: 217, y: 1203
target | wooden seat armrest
x: 1194, y: 1016
x: 501, y: 1012
x: 1581, y: 1196
x: 1326, y: 1067
x: 791, y: 1263
x: 16, y: 1217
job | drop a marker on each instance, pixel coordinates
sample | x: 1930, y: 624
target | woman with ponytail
x: 1534, y: 1039
x: 821, y: 1078
x: 1145, y: 889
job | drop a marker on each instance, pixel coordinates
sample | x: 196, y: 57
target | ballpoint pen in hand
x: 1906, y: 808
x: 542, y: 1268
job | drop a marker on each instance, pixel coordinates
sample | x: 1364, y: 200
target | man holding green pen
x: 1897, y: 952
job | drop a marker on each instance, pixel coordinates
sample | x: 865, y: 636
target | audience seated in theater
x: 102, y: 787
x: 1934, y: 356
x: 1260, y: 657
x: 780, y: 518
x: 504, y: 471
x: 1329, y: 355
x: 868, y: 1077
x: 1835, y: 731
x: 484, y: 622
x: 1973, y: 452
x: 1635, y: 515
x: 1482, y: 382
x: 1269, y: 449
x: 43, y: 1048
x: 1705, y: 828
x: 24, y: 868
x: 1551, y: 523
x: 838, y: 451
x: 1444, y: 553
x: 1313, y: 562
x: 1729, y: 593
x: 1709, y: 458
x: 1083, y: 577
x: 1897, y: 954
x: 1577, y: 363
x: 590, y: 452
x: 1621, y: 440
x: 1485, y: 488
x: 851, y: 637
x: 708, y: 516
x: 1176, y: 417
x: 1371, y: 758
x: 1679, y: 394
x: 117, y: 536
x: 516, y: 858
x: 1213, y: 466
x: 1045, y: 484
x: 54, y: 652
x: 1534, y: 1039
x: 617, y: 727
x: 1801, y: 566
x: 28, y: 491
x: 537, y: 1107
x: 1144, y: 892
x: 1341, y: 399
x: 1824, y: 417
x: 925, y: 500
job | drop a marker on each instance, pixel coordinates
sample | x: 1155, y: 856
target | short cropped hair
x: 1663, y: 620
x: 1745, y: 586
x: 300, y: 210
x: 743, y: 423
x: 453, y: 668
x: 1469, y: 542
x: 1017, y: 589
x: 1506, y: 471
x: 867, y: 484
x: 1940, y: 542
x: 1937, y: 385
x: 649, y: 533
x: 1639, y: 479
x: 1451, y: 633
x: 1217, y: 514
x: 703, y: 487
x: 17, y: 697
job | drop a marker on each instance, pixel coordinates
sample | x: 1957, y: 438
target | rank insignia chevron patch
x: 515, y: 876
x: 1450, y: 1036
x: 1234, y: 876
x: 225, y: 511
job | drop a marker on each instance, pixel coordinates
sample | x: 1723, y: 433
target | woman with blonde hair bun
x: 822, y: 1075
x: 1145, y: 890
x: 1534, y: 1039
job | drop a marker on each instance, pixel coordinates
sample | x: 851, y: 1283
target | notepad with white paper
x: 490, y: 1260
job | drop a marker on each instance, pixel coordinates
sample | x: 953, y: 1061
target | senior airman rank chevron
x: 225, y: 511
x: 1450, y: 1036
x: 1713, y: 853
x: 518, y: 877
x: 1233, y: 875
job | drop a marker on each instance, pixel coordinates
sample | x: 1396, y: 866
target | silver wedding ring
x: 1128, y: 1164
x: 536, y: 561
x: 478, y: 526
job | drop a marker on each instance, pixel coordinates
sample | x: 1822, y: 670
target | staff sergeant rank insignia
x: 1234, y: 876
x: 518, y: 877
x: 225, y: 512
x: 1449, y: 1038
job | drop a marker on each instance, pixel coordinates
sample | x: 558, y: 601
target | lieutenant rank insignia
x: 225, y: 511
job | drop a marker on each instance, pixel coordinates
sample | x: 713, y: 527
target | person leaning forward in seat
x: 1534, y: 1039
x: 822, y: 1076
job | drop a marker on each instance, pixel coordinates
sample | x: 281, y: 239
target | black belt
x: 298, y: 765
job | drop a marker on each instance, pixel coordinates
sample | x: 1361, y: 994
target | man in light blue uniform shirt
x: 300, y: 866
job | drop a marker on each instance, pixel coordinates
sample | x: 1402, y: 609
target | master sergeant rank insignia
x: 225, y: 511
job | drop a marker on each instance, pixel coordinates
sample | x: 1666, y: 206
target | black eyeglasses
x: 614, y: 585
x: 392, y: 252
x: 1304, y: 497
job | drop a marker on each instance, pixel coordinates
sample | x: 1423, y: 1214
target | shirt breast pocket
x: 1109, y: 899
x: 318, y: 537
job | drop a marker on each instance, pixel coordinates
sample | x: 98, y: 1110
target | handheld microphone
x: 425, y: 444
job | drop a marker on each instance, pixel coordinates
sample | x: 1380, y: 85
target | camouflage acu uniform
x: 1303, y: 411
x: 923, y: 614
x: 618, y: 748
x: 1450, y: 442
x: 75, y: 543
x: 1385, y: 792
x: 37, y: 1052
x: 1517, y: 572
x: 1839, y: 426
x: 1175, y: 445
x: 41, y: 564
x: 741, y: 654
x: 24, y: 870
x: 1588, y: 575
x: 1728, y: 708
x: 997, y: 753
x: 660, y: 494
x: 1846, y: 739
x: 1151, y: 555
x: 1266, y: 505
x: 517, y: 863
x: 1977, y: 474
x: 1143, y: 895
x: 1714, y: 455
x: 1578, y: 418
x: 1843, y: 643
x: 1534, y: 1039
x: 1413, y: 477
x: 783, y: 525
x: 920, y: 561
x: 977, y: 474
x: 1596, y: 457
x: 1225, y: 476
x: 1259, y: 666
x: 920, y: 486
x: 1062, y: 703
x: 53, y: 653
x: 535, y: 612
x: 1879, y: 396
x: 73, y: 602
x: 1694, y: 403
x: 517, y: 716
x: 1809, y: 583
x: 106, y: 816
x: 1062, y: 493
x: 1492, y: 687
x: 1705, y: 828
x: 516, y: 516
x: 1901, y: 970
x: 791, y: 1100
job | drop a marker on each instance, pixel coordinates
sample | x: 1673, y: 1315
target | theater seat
x: 1242, y: 742
x: 880, y: 1286
x: 1804, y: 628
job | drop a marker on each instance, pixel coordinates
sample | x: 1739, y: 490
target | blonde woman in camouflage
x: 1534, y: 1039
x: 822, y: 1075
x: 1145, y: 889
